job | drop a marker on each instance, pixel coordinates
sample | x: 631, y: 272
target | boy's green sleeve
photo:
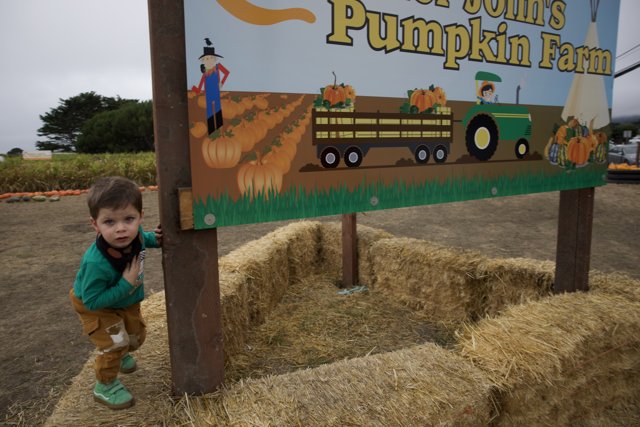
x: 150, y: 239
x: 96, y: 292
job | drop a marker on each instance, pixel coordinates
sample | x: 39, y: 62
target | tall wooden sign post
x: 573, y: 253
x: 189, y: 258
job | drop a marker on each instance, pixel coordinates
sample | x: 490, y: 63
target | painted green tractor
x: 488, y: 122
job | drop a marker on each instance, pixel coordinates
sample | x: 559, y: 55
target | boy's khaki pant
x: 114, y: 331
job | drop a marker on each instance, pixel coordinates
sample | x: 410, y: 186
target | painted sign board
x: 301, y: 108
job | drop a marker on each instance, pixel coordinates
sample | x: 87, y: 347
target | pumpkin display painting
x: 304, y: 109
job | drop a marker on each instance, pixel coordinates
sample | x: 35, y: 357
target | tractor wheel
x: 522, y: 148
x: 482, y: 137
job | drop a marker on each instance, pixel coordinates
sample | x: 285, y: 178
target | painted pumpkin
x: 222, y: 152
x: 600, y: 153
x: 547, y: 148
x: 440, y: 96
x: 334, y: 94
x: 261, y: 102
x: 350, y: 93
x: 558, y: 154
x: 564, y: 134
x: 255, y: 178
x: 578, y: 150
x: 280, y: 160
x: 198, y: 129
x: 422, y: 99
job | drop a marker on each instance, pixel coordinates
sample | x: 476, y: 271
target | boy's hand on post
x: 158, y: 232
x: 131, y: 272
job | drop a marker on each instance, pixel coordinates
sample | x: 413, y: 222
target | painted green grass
x: 302, y: 203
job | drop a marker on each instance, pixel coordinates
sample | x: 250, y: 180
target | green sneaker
x: 113, y: 395
x: 127, y: 364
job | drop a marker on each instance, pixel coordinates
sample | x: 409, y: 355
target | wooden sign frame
x: 190, y: 258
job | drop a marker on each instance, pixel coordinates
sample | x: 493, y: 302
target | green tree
x: 62, y: 124
x: 617, y: 130
x: 15, y: 152
x: 127, y: 129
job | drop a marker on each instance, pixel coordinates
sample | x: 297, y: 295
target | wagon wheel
x: 482, y: 137
x: 422, y: 154
x: 330, y: 157
x: 440, y: 154
x: 353, y: 157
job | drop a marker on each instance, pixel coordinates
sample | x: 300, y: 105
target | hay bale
x: 330, y: 256
x: 615, y: 284
x: 510, y: 281
x: 254, y: 277
x: 561, y: 360
x: 234, y: 311
x: 423, y: 385
x: 267, y: 264
x: 435, y: 279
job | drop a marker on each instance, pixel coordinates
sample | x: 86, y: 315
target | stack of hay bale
x: 522, y: 356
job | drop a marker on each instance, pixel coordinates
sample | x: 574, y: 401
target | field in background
x: 74, y: 171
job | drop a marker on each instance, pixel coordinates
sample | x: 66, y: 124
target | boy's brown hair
x: 113, y: 192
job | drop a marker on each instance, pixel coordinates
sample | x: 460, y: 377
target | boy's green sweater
x: 100, y: 286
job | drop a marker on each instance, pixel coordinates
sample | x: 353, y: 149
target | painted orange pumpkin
x: 350, y: 93
x: 222, y: 152
x: 440, y: 96
x: 422, y: 99
x: 198, y: 129
x: 255, y: 178
x: 334, y: 94
x: 564, y: 134
x: 578, y: 150
x: 279, y: 159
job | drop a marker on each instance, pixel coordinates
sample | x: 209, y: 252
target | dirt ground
x: 41, y: 344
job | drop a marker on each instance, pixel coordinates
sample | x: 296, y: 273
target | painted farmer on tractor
x: 212, y: 82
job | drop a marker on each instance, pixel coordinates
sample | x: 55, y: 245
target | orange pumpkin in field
x: 578, y: 150
x: 278, y: 159
x: 198, y: 129
x: 257, y: 177
x: 422, y: 99
x: 222, y: 152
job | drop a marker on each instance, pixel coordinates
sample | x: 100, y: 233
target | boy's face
x: 487, y: 95
x: 118, y: 226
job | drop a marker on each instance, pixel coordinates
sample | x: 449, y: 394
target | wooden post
x: 573, y: 251
x: 189, y: 258
x: 349, y: 251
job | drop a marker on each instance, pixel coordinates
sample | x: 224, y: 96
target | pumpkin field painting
x: 300, y: 109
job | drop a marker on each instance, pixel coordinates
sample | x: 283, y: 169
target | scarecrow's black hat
x: 207, y: 51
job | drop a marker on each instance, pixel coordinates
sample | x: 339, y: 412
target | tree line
x: 91, y: 123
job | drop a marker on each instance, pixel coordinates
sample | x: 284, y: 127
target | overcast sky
x: 54, y: 50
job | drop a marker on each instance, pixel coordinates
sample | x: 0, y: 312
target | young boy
x: 108, y: 287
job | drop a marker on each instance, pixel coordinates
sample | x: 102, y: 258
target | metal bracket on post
x: 573, y: 251
x: 349, y: 251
